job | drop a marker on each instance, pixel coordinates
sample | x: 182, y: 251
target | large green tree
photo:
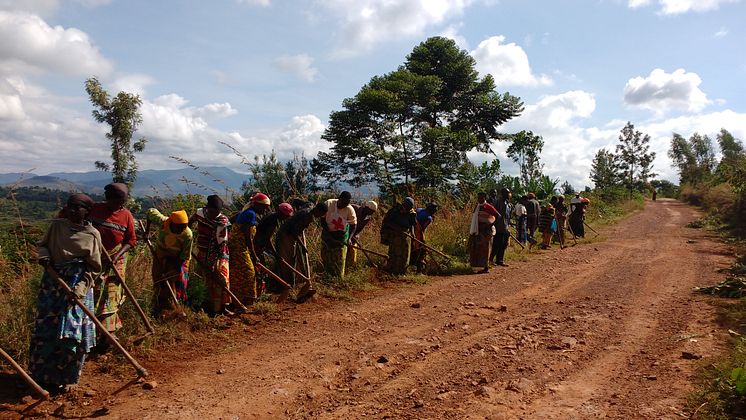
x: 416, y: 124
x: 694, y: 158
x: 605, y: 170
x: 635, y: 158
x: 525, y: 150
x: 122, y: 114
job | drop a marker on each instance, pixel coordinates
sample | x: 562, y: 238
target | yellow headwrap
x: 179, y: 217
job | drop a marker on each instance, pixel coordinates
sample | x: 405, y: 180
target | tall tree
x: 732, y: 167
x: 478, y: 178
x: 417, y: 123
x: 694, y: 158
x: 634, y: 157
x: 122, y: 114
x: 731, y: 148
x: 525, y: 151
x: 604, y: 170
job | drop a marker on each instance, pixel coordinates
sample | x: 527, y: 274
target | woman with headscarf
x: 547, y: 226
x: 63, y: 334
x: 481, y: 231
x: 396, y: 231
x: 117, y: 228
x: 212, y: 253
x: 242, y: 250
x: 172, y: 252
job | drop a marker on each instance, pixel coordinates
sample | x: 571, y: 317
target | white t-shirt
x: 520, y: 210
x: 338, y: 219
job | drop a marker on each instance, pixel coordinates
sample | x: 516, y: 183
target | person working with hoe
x: 340, y: 223
x: 288, y: 239
x: 396, y: 232
x: 212, y: 254
x: 172, y: 252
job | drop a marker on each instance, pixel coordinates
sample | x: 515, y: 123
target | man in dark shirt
x: 533, y: 210
x: 502, y: 224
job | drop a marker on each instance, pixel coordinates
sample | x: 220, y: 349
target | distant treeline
x: 33, y: 203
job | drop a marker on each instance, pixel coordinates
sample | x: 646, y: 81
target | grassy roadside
x: 721, y: 392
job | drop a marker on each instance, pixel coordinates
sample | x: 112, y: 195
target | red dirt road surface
x: 592, y: 331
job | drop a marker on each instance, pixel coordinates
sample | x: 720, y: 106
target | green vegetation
x: 719, y: 188
x: 122, y: 114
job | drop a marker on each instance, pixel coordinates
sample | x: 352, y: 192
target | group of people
x: 87, y: 247
x: 489, y: 231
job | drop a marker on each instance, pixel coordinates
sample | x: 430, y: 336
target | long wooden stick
x: 39, y: 390
x: 516, y: 239
x: 307, y: 259
x: 128, y: 293
x: 367, y: 257
x: 589, y: 227
x: 273, y: 275
x: 282, y: 260
x: 378, y: 254
x: 428, y: 247
x: 141, y: 372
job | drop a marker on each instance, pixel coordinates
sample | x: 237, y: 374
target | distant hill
x: 150, y: 182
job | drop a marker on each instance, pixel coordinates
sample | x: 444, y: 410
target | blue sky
x: 264, y: 75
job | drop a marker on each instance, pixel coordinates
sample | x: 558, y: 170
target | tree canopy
x: 635, y: 160
x: 416, y: 124
x: 122, y: 114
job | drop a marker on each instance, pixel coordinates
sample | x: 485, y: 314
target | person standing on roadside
x: 502, y: 226
x: 533, y: 211
x: 481, y: 231
x: 520, y: 222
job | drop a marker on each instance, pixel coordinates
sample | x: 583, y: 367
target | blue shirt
x: 424, y: 218
x: 247, y: 217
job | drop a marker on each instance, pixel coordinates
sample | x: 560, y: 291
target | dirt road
x: 596, y: 330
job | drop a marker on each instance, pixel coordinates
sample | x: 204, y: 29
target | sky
x: 264, y: 75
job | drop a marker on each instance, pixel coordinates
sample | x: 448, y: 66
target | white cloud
x: 131, y: 83
x: 673, y: 7
x: 262, y: 3
x: 299, y: 65
x: 570, y: 144
x: 363, y: 24
x: 638, y: 3
x: 507, y: 63
x: 662, y: 92
x: 721, y: 33
x: 94, y: 3
x: 452, y: 32
x: 30, y: 44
